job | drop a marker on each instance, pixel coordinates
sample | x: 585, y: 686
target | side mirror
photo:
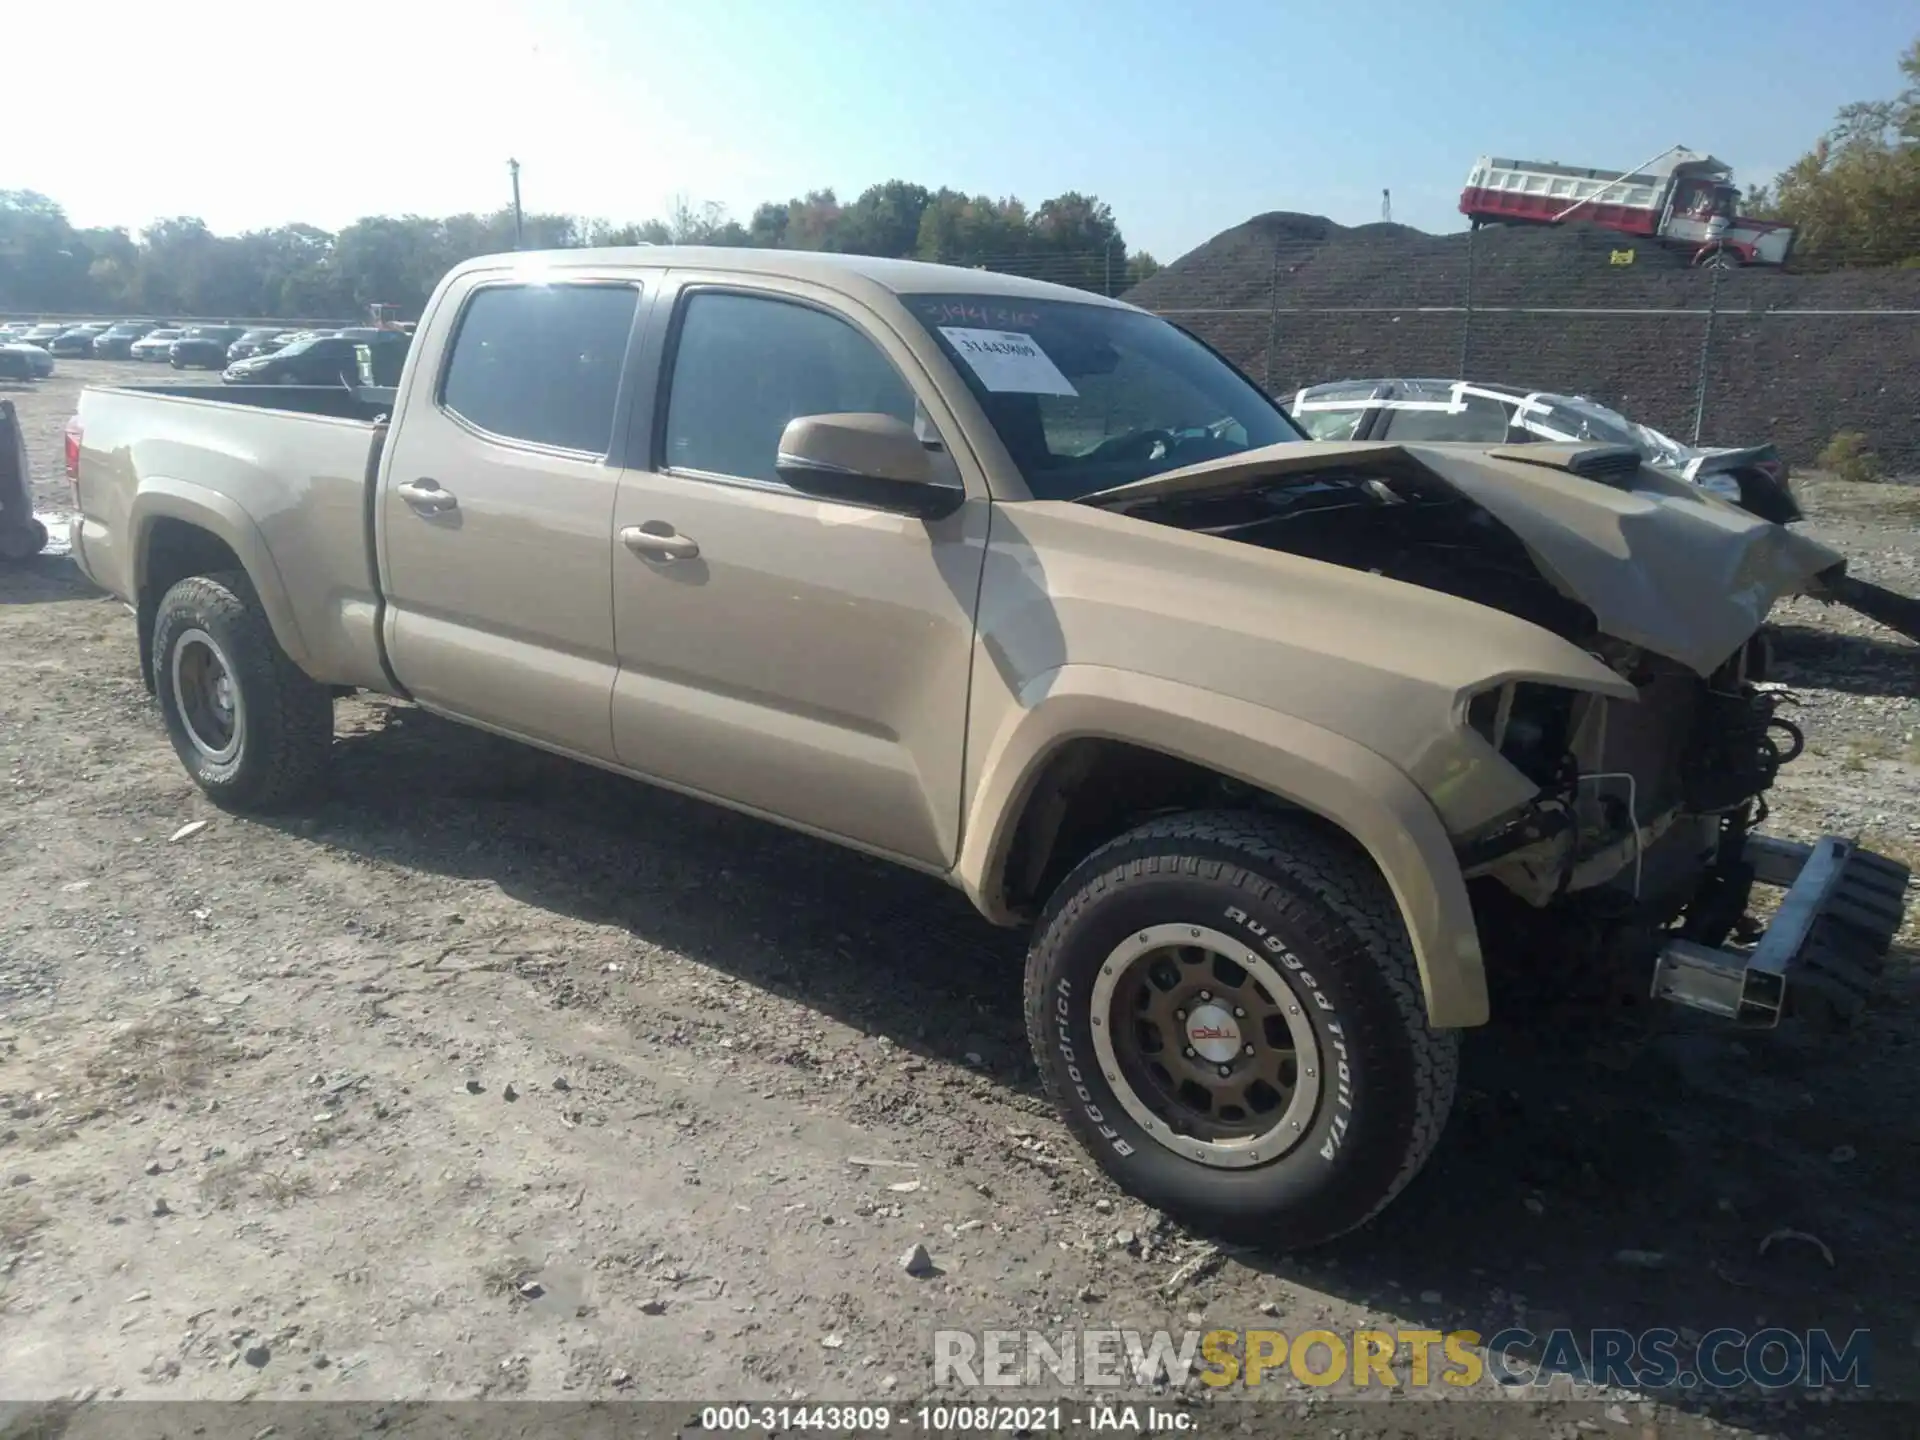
x: 864, y: 459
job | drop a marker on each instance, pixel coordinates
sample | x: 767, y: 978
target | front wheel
x: 1227, y: 1011
x: 252, y: 729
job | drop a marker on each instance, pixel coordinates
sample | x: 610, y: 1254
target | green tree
x: 1855, y: 197
x: 884, y: 220
x: 177, y: 266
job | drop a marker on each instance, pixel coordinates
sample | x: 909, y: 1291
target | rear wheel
x: 24, y: 543
x: 251, y: 728
x: 1227, y: 1010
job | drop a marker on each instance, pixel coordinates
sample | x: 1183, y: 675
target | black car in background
x: 21, y: 361
x: 76, y: 341
x: 323, y: 360
x: 116, y: 341
x: 258, y: 342
x: 204, y: 347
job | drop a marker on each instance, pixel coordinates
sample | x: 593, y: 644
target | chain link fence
x: 1714, y: 356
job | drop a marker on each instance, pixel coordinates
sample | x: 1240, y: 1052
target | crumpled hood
x: 1659, y: 562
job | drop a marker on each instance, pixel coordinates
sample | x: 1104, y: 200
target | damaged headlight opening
x: 1639, y: 797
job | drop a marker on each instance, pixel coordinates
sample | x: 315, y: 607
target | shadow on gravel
x: 1614, y: 1172
x: 41, y: 579
x: 1624, y: 1174
x: 1855, y: 664
x: 879, y: 948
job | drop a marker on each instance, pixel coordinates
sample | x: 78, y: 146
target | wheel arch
x: 1193, y: 749
x: 182, y: 529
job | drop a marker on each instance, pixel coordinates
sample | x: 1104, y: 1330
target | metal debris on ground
x: 1784, y: 1233
x: 1205, y: 1263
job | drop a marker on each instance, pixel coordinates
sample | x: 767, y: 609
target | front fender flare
x: 1345, y: 783
x: 222, y: 517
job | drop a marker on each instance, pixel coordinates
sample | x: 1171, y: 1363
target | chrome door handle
x: 426, y: 497
x: 657, y: 540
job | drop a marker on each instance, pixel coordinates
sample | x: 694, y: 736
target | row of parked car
x: 254, y: 355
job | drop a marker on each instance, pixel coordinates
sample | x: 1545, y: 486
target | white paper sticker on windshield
x: 1009, y: 361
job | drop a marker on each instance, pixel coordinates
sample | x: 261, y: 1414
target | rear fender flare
x: 222, y: 517
x: 1344, y: 783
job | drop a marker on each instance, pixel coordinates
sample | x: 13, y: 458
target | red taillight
x: 73, y: 452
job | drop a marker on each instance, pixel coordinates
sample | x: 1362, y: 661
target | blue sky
x: 1186, y: 118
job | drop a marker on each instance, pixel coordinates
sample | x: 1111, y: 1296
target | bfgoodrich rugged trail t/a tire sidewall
x: 1367, y: 1134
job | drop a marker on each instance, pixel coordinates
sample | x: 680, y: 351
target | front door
x: 803, y: 658
x: 496, y: 512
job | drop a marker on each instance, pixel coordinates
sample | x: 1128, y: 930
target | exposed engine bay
x: 1645, y: 808
x: 1394, y: 520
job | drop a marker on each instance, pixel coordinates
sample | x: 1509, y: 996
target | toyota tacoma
x: 1273, y: 743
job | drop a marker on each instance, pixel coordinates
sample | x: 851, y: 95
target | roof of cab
x: 902, y: 277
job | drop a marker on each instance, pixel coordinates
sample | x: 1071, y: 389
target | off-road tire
x: 24, y: 543
x: 1274, y: 882
x: 288, y: 727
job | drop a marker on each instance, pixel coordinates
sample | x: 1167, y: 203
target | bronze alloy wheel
x: 1205, y: 1046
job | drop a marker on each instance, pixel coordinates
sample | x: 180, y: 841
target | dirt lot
x: 495, y: 1077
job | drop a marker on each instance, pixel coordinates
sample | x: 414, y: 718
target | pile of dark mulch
x: 1386, y: 299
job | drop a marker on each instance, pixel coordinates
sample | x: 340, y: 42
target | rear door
x: 325, y: 362
x: 804, y: 658
x: 495, y: 516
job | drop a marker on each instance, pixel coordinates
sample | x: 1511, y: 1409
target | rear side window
x: 541, y: 363
x: 744, y: 366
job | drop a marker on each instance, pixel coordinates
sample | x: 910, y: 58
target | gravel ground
x: 494, y: 1077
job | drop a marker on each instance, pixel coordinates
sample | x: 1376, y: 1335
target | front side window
x: 542, y: 363
x: 1086, y: 397
x: 746, y: 365
x: 1333, y: 412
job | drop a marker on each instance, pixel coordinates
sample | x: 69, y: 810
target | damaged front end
x: 1639, y: 852
x: 1645, y: 838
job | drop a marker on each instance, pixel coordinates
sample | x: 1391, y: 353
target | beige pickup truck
x: 1274, y: 743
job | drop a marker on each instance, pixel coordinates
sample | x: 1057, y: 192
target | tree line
x: 178, y: 266
x: 1855, y: 196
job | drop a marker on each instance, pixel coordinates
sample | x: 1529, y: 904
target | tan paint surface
x: 898, y: 684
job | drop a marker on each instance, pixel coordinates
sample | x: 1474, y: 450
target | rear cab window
x: 540, y: 364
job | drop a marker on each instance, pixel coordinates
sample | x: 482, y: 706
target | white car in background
x: 155, y: 344
x: 1416, y: 411
x: 1754, y: 477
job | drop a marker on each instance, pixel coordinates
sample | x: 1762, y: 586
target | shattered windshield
x: 1086, y: 397
x: 1582, y: 419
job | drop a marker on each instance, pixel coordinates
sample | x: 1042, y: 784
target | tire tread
x: 1265, y: 852
x: 298, y: 710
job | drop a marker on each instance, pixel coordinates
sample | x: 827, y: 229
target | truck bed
x: 285, y: 472
x: 362, y: 403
